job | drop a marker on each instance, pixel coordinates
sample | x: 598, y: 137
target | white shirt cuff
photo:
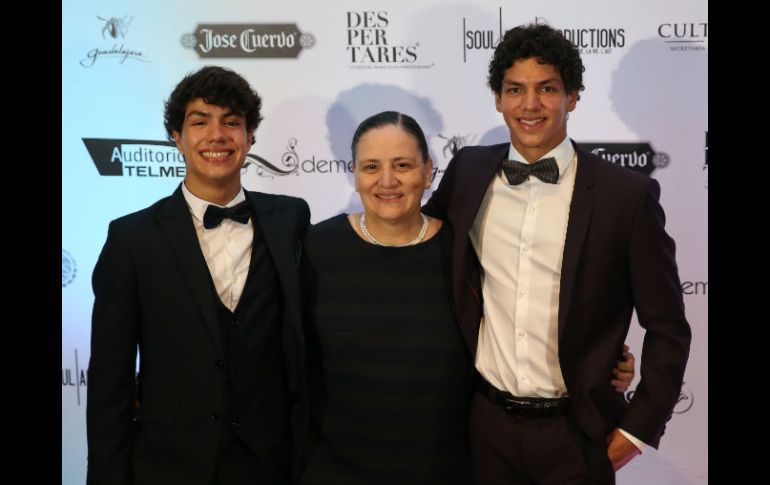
x: 633, y: 439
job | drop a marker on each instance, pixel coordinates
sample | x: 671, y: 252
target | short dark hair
x: 406, y: 122
x: 546, y: 44
x: 215, y: 85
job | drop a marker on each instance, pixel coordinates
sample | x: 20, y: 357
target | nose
x: 215, y: 132
x: 531, y: 100
x: 388, y: 178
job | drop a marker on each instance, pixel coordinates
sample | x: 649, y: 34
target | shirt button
x: 523, y: 292
x: 525, y: 248
x: 521, y: 334
x: 523, y: 378
x: 531, y: 210
x: 235, y: 423
x: 235, y: 322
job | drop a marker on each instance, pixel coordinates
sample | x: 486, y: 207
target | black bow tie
x: 545, y: 169
x: 214, y: 215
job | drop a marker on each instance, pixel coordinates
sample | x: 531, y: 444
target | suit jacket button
x: 214, y: 415
x: 235, y: 322
x: 235, y: 423
x: 219, y: 363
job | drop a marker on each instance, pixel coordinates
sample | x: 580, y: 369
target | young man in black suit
x: 556, y: 247
x: 204, y: 286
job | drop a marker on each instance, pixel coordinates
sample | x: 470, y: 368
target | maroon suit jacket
x: 617, y: 258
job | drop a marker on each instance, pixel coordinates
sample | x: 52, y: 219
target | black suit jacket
x: 153, y: 293
x: 617, y: 258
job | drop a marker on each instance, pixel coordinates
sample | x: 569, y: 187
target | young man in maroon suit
x: 556, y: 248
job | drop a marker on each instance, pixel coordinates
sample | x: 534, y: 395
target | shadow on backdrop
x: 658, y: 102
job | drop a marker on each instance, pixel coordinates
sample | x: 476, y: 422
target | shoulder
x: 278, y: 201
x: 325, y: 239
x: 136, y: 221
x: 476, y: 151
x: 330, y: 228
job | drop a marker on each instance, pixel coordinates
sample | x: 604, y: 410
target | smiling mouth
x: 219, y: 155
x: 532, y: 122
x: 389, y: 196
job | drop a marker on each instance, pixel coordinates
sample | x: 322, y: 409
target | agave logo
x: 454, y: 143
x: 68, y: 268
x: 114, y: 27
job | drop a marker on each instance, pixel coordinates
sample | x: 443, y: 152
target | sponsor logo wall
x: 323, y: 67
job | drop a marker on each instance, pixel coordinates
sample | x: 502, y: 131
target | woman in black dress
x: 389, y: 373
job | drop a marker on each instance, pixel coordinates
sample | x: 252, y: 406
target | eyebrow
x: 394, y: 159
x: 204, y: 114
x: 508, y: 82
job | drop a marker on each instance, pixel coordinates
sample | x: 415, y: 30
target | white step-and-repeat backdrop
x: 322, y: 67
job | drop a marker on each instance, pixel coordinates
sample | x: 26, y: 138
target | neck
x: 219, y: 195
x: 394, y: 233
x: 532, y: 155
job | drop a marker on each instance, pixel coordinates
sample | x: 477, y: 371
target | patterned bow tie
x: 544, y: 169
x: 214, y: 215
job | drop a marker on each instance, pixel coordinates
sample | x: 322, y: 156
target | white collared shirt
x: 518, y: 235
x: 227, y: 248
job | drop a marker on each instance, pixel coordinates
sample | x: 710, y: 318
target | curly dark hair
x: 215, y: 85
x: 545, y: 43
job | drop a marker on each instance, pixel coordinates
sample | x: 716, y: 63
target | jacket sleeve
x: 111, y: 371
x: 657, y: 296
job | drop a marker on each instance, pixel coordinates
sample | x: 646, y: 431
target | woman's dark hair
x: 215, y: 85
x: 406, y: 122
x: 546, y: 44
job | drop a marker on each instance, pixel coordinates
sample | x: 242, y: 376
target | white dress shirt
x: 519, y: 235
x: 227, y: 248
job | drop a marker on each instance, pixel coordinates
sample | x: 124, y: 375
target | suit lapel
x: 471, y: 185
x: 480, y: 175
x: 276, y: 236
x: 580, y: 212
x: 176, y: 222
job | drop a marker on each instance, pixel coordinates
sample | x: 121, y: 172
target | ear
x: 252, y: 138
x: 572, y: 101
x: 498, y: 103
x: 428, y: 172
x: 177, y: 138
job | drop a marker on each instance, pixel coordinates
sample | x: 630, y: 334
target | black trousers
x: 238, y: 465
x: 512, y: 450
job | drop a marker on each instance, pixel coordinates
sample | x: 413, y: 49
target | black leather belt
x: 530, y: 407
